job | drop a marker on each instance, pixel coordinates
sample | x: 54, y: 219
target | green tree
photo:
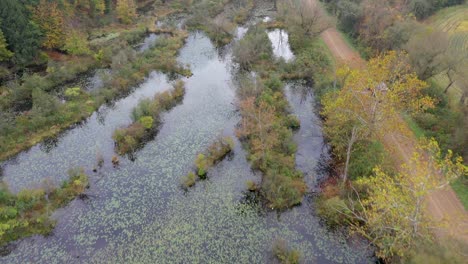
x: 126, y: 11
x: 23, y: 36
x: 5, y: 54
x: 44, y: 103
x: 76, y: 43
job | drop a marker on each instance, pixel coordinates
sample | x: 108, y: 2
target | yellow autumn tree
x: 391, y: 215
x: 50, y: 19
x: 370, y: 101
x: 126, y: 11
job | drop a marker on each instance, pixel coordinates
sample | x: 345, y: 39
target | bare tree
x: 306, y: 16
x: 427, y: 53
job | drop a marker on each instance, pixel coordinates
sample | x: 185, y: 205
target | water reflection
x: 280, y: 41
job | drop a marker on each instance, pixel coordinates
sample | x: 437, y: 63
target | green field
x: 453, y: 20
x: 461, y: 189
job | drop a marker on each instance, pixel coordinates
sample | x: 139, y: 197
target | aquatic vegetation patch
x: 146, y: 117
x: 216, y: 152
x: 28, y: 212
x: 266, y: 128
x: 218, y: 18
x: 28, y: 129
x: 253, y: 49
x: 285, y: 254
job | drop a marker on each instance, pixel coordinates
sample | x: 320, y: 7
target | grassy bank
x: 267, y: 127
x: 460, y: 186
x: 49, y: 116
x: 218, y: 19
x: 146, y: 118
x: 215, y: 153
x: 28, y: 212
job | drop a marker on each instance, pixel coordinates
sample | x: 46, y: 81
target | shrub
x: 72, y: 93
x: 127, y: 139
x: 214, y: 153
x: 334, y: 210
x: 281, y: 191
x: 144, y: 116
x: 284, y: 254
x: 220, y: 32
x: 28, y: 212
x: 255, y: 46
x: 189, y: 180
x: 265, y: 127
x: 202, y: 165
x: 142, y: 109
x: 146, y: 121
x: 366, y: 155
x: 293, y: 122
x: 251, y: 186
x: 76, y: 43
x: 219, y: 149
x: 44, y: 103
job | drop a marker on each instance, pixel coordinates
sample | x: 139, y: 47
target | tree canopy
x: 23, y: 35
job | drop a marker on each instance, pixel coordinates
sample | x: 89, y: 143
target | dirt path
x: 340, y: 49
x: 442, y: 205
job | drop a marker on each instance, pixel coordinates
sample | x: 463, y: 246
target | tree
x: 427, y: 52
x: 349, y: 14
x: 49, y: 18
x: 397, y: 35
x: 23, y: 36
x: 126, y: 11
x: 257, y: 123
x: 391, y: 215
x: 98, y: 7
x: 254, y: 46
x: 420, y: 8
x: 43, y: 103
x: 456, y: 63
x: 305, y: 17
x: 377, y: 17
x: 76, y: 43
x: 370, y: 101
x: 5, y: 54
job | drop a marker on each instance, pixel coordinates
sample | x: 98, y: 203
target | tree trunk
x: 451, y: 82
x: 348, y: 153
x: 448, y: 86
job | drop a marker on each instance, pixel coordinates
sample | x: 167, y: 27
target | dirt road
x: 340, y: 49
x: 442, y: 205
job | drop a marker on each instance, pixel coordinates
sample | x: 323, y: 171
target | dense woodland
x: 406, y: 87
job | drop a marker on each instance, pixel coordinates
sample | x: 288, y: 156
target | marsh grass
x: 215, y: 153
x: 285, y: 254
x: 19, y: 132
x: 28, y: 212
x: 146, y: 118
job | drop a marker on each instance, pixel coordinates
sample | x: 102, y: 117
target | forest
x: 233, y: 131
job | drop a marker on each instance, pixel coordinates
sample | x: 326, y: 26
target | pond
x: 137, y: 212
x: 280, y: 42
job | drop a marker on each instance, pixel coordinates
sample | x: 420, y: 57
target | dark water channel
x: 137, y: 212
